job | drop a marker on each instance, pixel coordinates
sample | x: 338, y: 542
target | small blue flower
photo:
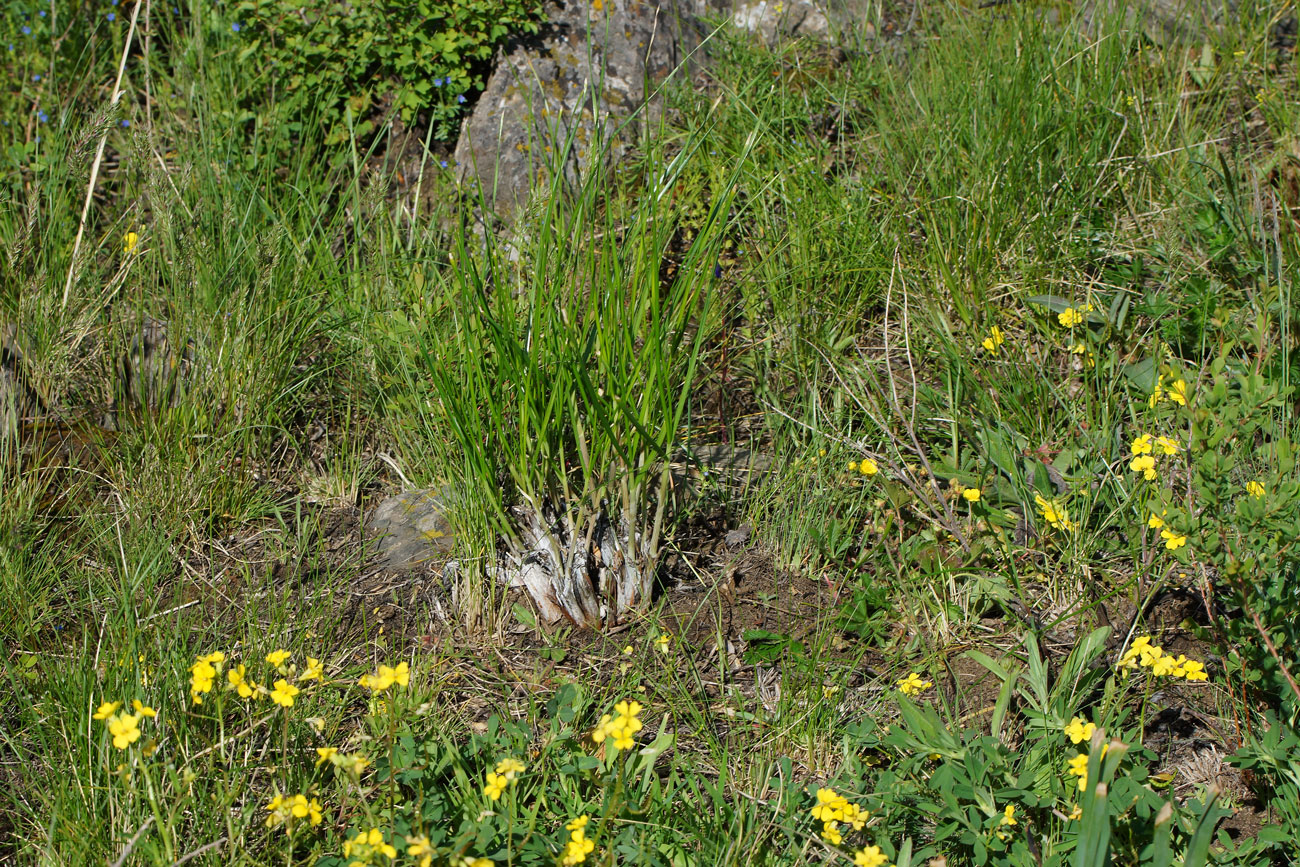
x: 437, y: 82
x: 114, y: 2
x: 36, y: 77
x: 41, y: 13
x: 27, y: 31
x: 236, y: 27
x: 443, y: 163
x: 126, y: 123
x: 175, y: 11
x: 5, y: 122
x: 717, y: 271
x: 11, y: 46
x: 43, y: 117
x: 112, y: 17
x: 460, y: 97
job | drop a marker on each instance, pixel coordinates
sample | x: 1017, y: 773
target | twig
x: 99, y: 157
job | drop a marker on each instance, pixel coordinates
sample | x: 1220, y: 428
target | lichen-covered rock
x: 412, y: 528
x: 771, y: 19
x: 571, y: 86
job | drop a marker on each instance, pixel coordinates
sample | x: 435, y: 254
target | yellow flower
x: 1173, y: 541
x: 1155, y: 522
x: 1070, y: 317
x: 971, y: 495
x: 1054, y: 513
x: 871, y: 856
x: 496, y: 784
x: 1141, y: 445
x: 831, y: 832
x: 125, y: 729
x: 1164, y: 666
x: 1194, y: 670
x: 1167, y: 446
x: 662, y: 642
x: 420, y: 849
x: 1009, y: 815
x: 129, y: 242
x: 1079, y: 731
x: 202, y: 673
x: 1076, y: 813
x: 1255, y: 489
x: 277, y: 657
x: 830, y: 806
x: 855, y: 816
x: 578, y: 825
x: 1078, y: 766
x: 1178, y: 392
x: 466, y: 861
x: 315, y: 670
x: 107, y: 709
x: 868, y: 467
x: 912, y: 684
x: 510, y: 768
x: 142, y: 710
x: 283, y: 693
x: 239, y: 683
x: 1144, y: 464
x: 326, y: 754
x: 384, y: 677
x: 993, y: 341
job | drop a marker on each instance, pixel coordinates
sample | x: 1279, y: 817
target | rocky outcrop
x: 566, y: 94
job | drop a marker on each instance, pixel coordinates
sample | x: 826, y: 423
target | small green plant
x: 349, y: 62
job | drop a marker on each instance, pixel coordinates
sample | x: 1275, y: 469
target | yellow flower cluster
x: 620, y: 728
x: 1078, y: 731
x: 578, y: 847
x: 1078, y: 766
x: 1255, y: 488
x: 352, y: 764
x: 363, y: 846
x: 833, y: 808
x: 912, y: 684
x: 1175, y: 391
x: 1072, y: 316
x: 506, y: 772
x: 1054, y: 513
x: 1145, y: 449
x: 385, y: 676
x: 203, y: 672
x: 1147, y: 655
x: 287, y: 810
x: 122, y: 726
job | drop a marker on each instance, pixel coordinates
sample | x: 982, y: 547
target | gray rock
x: 412, y: 528
x: 772, y: 19
x: 1164, y: 22
x: 18, y: 402
x: 573, y: 85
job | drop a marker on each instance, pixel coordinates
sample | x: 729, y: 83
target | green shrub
x: 414, y: 56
